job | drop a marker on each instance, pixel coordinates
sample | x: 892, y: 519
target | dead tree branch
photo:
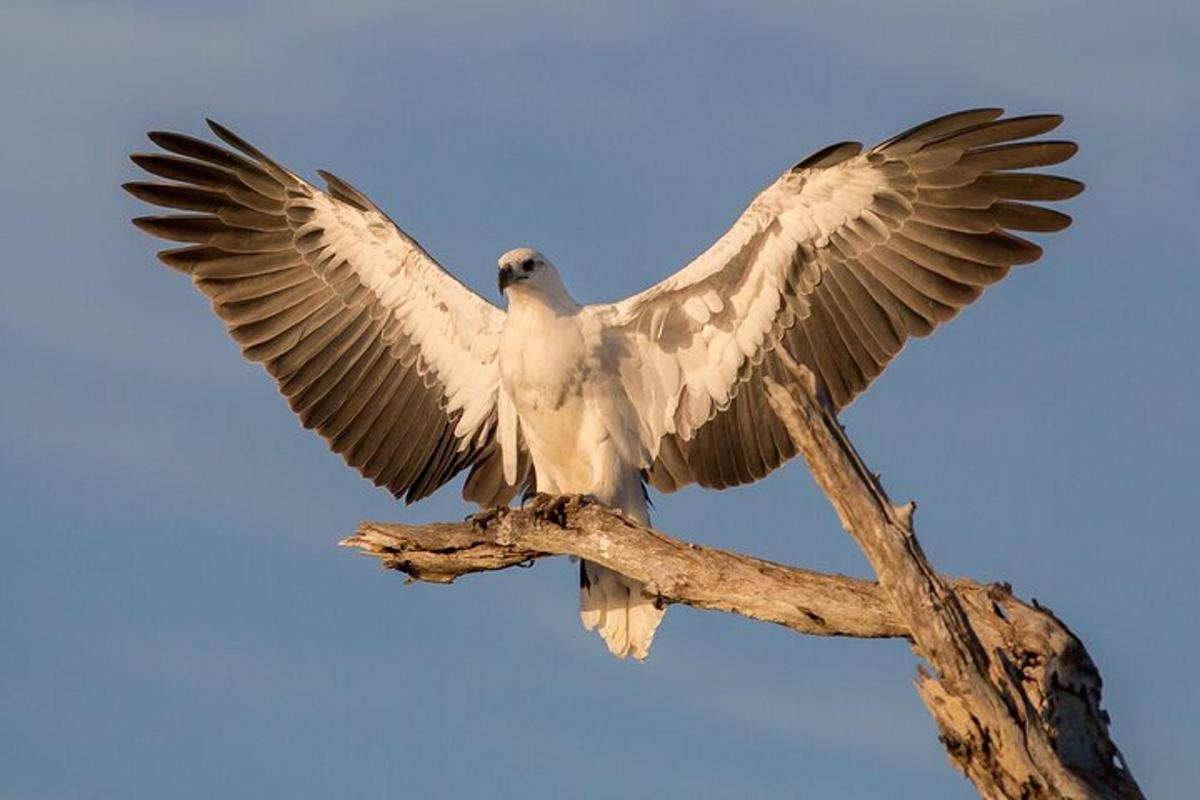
x: 1014, y: 693
x: 678, y: 572
x: 1012, y: 736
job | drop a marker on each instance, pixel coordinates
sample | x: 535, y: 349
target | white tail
x: 616, y: 608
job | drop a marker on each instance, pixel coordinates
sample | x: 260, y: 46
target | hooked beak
x: 507, y: 278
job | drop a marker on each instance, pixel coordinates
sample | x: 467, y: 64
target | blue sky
x: 175, y: 620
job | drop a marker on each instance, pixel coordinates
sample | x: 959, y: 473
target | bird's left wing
x: 374, y: 345
x: 833, y: 266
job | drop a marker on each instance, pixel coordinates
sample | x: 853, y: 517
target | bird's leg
x: 554, y: 507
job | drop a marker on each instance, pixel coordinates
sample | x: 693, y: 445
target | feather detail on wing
x: 374, y: 345
x: 834, y: 266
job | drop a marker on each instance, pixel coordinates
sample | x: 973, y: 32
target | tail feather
x: 618, y: 609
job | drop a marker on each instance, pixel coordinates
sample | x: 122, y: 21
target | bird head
x: 527, y: 272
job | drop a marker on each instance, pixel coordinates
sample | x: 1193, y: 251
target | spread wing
x: 834, y: 266
x: 374, y: 345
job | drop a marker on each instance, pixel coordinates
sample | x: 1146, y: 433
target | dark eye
x: 527, y: 265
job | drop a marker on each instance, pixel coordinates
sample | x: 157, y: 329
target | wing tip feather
x: 238, y: 143
x: 829, y: 156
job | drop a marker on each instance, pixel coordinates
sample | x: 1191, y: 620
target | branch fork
x: 1014, y: 694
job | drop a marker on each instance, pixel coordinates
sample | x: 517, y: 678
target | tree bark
x: 1014, y: 694
x: 1021, y: 721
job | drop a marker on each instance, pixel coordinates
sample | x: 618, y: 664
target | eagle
x: 413, y: 378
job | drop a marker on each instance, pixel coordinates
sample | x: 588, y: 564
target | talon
x: 550, y: 507
x: 543, y: 503
x: 480, y: 520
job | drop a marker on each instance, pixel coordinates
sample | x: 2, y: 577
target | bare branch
x: 1012, y: 739
x: 1015, y: 695
x: 678, y: 572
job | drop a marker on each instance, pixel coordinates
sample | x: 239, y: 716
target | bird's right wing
x: 374, y: 345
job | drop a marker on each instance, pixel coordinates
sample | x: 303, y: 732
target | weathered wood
x: 676, y: 571
x: 1014, y: 693
x: 1014, y: 735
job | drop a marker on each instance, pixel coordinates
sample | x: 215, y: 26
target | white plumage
x: 413, y: 378
x: 580, y: 425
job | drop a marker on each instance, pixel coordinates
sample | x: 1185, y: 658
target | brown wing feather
x: 936, y: 232
x: 297, y: 306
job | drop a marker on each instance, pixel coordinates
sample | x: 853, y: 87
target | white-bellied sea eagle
x: 413, y: 378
